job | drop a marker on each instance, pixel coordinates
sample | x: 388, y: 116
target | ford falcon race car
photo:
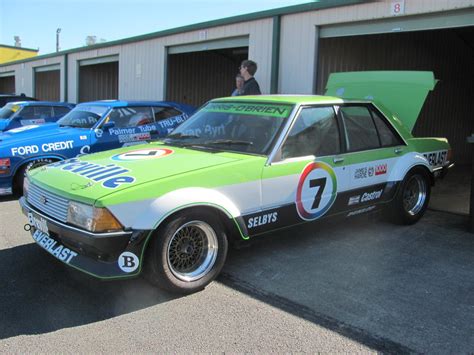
x: 89, y: 127
x: 25, y: 113
x: 238, y: 168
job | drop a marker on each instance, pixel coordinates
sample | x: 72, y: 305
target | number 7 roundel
x: 317, y: 191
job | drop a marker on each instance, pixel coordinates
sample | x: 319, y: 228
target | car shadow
x: 395, y: 289
x: 40, y: 294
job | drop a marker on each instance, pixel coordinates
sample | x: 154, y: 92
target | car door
x: 303, y: 181
x: 124, y: 126
x: 372, y: 149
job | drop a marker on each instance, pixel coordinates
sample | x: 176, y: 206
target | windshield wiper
x: 229, y: 142
x: 182, y: 135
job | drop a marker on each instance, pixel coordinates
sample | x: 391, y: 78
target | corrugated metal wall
x: 98, y: 82
x: 7, y: 85
x: 47, y: 85
x: 448, y: 53
x: 194, y: 78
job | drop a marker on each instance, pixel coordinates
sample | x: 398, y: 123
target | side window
x: 60, y: 111
x: 315, y: 132
x: 165, y: 112
x: 360, y: 130
x: 36, y: 112
x: 130, y: 116
x: 387, y: 136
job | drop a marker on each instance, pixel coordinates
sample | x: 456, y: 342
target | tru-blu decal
x: 317, y: 191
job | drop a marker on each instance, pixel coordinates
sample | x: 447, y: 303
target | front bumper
x: 103, y: 255
x: 6, y: 187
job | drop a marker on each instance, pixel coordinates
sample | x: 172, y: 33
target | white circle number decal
x: 317, y: 190
x: 128, y: 262
x: 143, y: 154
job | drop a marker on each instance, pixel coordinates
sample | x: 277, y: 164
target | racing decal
x: 99, y: 133
x: 249, y: 109
x: 172, y: 121
x: 143, y: 154
x: 365, y: 197
x: 83, y: 138
x: 38, y: 223
x: 362, y: 210
x: 369, y: 171
x: 381, y: 169
x: 110, y: 175
x: 84, y: 150
x: 317, y: 191
x: 21, y: 129
x: 128, y: 262
x: 262, y: 219
x: 436, y: 158
x: 45, y: 148
x: 127, y: 138
x: 32, y: 122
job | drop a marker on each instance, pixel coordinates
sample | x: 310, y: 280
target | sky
x: 36, y: 21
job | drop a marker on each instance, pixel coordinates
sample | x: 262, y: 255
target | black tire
x: 412, y: 198
x: 21, y: 173
x: 187, y: 253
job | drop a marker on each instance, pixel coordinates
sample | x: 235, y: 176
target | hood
x: 91, y: 177
x: 402, y: 92
x: 28, y: 133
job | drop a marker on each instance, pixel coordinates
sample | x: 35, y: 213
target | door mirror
x: 108, y: 125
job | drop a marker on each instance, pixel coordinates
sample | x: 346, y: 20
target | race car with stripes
x: 238, y: 168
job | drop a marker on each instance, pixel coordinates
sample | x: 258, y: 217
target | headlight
x: 92, y: 218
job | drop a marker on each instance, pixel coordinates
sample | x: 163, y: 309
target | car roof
x: 125, y: 103
x: 288, y: 99
x: 42, y: 103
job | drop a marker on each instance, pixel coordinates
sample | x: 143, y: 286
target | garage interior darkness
x: 7, y: 85
x: 47, y: 85
x: 196, y: 77
x: 98, y: 81
x: 449, y: 53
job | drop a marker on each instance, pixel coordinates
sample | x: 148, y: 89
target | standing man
x: 248, y: 68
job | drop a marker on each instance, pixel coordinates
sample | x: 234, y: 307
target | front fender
x: 148, y: 214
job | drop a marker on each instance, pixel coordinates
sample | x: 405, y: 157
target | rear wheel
x: 187, y: 253
x: 413, y: 197
x: 21, y: 173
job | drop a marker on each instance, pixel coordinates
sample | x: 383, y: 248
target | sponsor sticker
x: 127, y: 138
x: 83, y: 138
x: 317, y: 191
x: 128, y: 262
x: 143, y: 154
x: 32, y: 122
x: 45, y: 148
x: 21, y: 129
x: 38, y: 223
x: 363, y: 210
x: 354, y: 200
x: 262, y: 219
x: 249, y: 109
x: 436, y: 158
x: 53, y: 247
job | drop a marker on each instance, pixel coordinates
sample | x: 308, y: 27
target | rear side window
x: 131, y: 116
x: 315, y: 132
x: 165, y: 112
x: 387, y: 137
x: 60, y: 111
x: 360, y: 130
x: 36, y: 112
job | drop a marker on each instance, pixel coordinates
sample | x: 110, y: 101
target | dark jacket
x: 251, y: 87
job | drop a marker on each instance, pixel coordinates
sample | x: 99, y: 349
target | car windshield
x: 8, y: 111
x: 83, y: 116
x: 232, y: 126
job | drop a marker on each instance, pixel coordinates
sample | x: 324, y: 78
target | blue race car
x: 90, y: 127
x: 23, y: 113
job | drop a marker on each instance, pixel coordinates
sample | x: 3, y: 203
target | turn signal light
x: 5, y: 166
x: 450, y: 155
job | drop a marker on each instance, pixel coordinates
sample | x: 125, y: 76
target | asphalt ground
x: 360, y: 285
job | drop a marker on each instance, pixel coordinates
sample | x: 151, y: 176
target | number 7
x: 321, y: 183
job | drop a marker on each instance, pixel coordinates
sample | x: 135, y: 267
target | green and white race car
x: 238, y: 168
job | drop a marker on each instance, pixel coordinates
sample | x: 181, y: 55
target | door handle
x: 338, y: 160
x: 398, y: 150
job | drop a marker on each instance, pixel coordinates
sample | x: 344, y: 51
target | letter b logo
x: 128, y: 262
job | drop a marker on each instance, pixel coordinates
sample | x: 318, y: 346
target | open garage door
x: 98, y: 79
x: 448, y: 52
x: 197, y: 73
x: 7, y: 83
x: 47, y: 83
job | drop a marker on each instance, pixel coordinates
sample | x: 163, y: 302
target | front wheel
x: 21, y: 174
x: 413, y: 197
x: 187, y: 253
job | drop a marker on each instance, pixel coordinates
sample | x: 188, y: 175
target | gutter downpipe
x: 65, y: 77
x: 276, y: 34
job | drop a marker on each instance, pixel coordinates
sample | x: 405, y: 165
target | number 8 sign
x: 317, y: 191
